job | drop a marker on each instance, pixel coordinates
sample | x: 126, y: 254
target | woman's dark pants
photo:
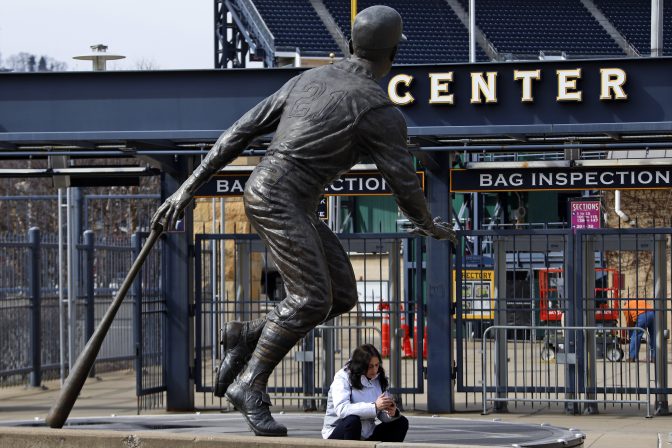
x: 350, y: 428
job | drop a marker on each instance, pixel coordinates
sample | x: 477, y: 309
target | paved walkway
x: 114, y: 394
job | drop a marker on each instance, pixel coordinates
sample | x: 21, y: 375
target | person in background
x: 639, y: 313
x: 357, y: 397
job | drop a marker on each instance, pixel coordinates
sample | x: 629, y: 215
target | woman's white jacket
x: 344, y: 400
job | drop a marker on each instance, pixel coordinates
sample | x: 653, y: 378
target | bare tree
x: 146, y: 64
x: 27, y: 62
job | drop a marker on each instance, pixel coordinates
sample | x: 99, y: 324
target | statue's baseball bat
x: 59, y: 412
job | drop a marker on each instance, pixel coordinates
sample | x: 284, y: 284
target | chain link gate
x: 236, y: 280
x: 540, y: 318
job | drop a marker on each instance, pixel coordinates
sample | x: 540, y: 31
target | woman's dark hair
x: 359, y: 364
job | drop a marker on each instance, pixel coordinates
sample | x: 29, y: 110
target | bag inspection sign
x: 561, y: 178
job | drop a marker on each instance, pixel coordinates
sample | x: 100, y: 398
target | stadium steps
x: 331, y: 25
x: 622, y: 42
x: 257, y: 35
x: 481, y: 39
x: 435, y: 33
x: 296, y: 25
x: 633, y: 20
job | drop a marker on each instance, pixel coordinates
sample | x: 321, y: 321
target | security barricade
x: 532, y: 288
x: 37, y: 335
x: 513, y: 371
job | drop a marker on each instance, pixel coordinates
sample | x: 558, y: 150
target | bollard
x: 415, y: 335
x: 35, y: 307
x: 424, y: 344
x: 416, y: 340
x: 406, y: 341
x: 385, y: 330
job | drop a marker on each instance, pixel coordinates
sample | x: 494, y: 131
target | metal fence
x: 514, y: 372
x: 37, y: 336
x: 560, y: 305
x: 149, y: 328
x: 236, y: 280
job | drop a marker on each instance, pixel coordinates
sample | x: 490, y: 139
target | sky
x: 165, y: 34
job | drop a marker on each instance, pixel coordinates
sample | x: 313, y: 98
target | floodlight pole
x: 656, y: 28
x: 98, y: 58
x: 472, y: 30
x: 475, y: 206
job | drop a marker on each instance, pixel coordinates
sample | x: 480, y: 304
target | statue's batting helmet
x: 376, y: 28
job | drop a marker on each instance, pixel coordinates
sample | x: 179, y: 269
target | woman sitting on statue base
x: 358, y: 397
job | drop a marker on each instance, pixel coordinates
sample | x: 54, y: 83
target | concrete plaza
x: 112, y: 395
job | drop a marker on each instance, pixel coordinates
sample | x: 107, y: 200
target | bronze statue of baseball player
x: 325, y: 120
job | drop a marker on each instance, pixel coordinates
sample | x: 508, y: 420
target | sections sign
x: 640, y: 177
x: 585, y: 214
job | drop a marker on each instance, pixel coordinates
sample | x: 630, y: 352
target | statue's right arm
x: 261, y: 119
x: 382, y: 135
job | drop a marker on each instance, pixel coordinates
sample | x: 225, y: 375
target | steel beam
x: 440, y: 392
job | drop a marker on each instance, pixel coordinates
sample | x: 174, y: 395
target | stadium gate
x: 237, y: 280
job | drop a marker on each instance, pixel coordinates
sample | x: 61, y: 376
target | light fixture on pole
x: 99, y: 57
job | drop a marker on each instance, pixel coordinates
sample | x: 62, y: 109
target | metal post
x: 89, y: 288
x: 656, y: 28
x: 419, y: 309
x: 177, y: 278
x: 472, y: 30
x: 328, y: 370
x: 72, y: 314
x: 309, y: 371
x: 660, y: 326
x: 222, y: 265
x: 61, y: 289
x: 395, y: 317
x: 214, y: 336
x: 243, y: 278
x: 501, y: 361
x: 334, y: 208
x: 475, y: 198
x: 572, y: 312
x: 35, y: 322
x: 440, y: 392
x: 73, y: 217
x: 136, y: 247
x: 337, y: 214
x: 588, y: 288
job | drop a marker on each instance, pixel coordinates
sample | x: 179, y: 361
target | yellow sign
x: 478, y: 287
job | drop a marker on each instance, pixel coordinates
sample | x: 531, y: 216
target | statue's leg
x: 293, y: 240
x: 238, y: 342
x: 343, y: 283
x: 248, y: 391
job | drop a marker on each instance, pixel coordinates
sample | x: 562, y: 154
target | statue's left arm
x: 260, y: 120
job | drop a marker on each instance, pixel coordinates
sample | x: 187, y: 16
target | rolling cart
x: 552, y: 306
